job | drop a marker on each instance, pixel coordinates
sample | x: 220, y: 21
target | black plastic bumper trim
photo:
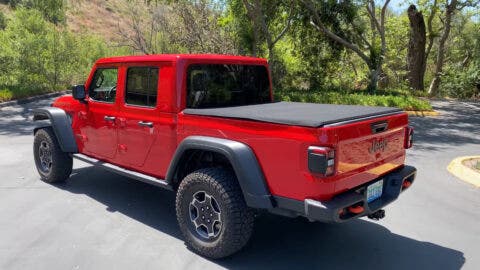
x: 328, y: 211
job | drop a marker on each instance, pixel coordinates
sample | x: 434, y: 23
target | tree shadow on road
x: 17, y: 120
x: 458, y: 124
x: 278, y: 243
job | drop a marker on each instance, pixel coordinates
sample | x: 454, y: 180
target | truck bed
x: 296, y: 113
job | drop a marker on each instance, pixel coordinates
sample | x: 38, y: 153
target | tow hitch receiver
x: 377, y: 215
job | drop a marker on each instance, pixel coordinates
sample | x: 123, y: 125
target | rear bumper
x: 336, y: 210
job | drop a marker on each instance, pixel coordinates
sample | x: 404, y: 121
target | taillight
x: 408, y: 137
x: 321, y: 160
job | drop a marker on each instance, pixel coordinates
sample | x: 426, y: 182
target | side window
x: 104, y: 85
x: 142, y: 83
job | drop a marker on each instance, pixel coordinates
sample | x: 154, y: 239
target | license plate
x: 374, y: 191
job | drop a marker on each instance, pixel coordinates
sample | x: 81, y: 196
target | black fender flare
x: 243, y: 161
x: 61, y: 125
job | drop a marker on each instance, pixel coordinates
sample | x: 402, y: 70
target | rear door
x: 139, y: 120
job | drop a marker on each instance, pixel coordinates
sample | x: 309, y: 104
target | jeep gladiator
x: 208, y: 128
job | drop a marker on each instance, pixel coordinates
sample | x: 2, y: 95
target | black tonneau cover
x: 295, y: 113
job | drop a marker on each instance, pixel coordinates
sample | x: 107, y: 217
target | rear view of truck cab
x: 207, y: 127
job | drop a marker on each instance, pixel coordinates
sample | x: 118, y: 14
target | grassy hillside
x: 96, y: 16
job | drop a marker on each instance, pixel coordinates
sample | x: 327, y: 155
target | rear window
x: 142, y: 85
x: 216, y: 85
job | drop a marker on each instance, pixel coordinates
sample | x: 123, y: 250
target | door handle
x: 109, y: 118
x: 145, y: 124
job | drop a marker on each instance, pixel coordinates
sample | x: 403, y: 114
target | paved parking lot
x: 99, y: 220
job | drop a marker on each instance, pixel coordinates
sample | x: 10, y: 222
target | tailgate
x: 369, y: 149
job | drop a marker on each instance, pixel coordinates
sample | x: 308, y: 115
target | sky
x: 398, y: 6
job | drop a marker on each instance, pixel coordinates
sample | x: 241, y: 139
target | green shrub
x: 461, y: 83
x: 405, y: 102
x: 14, y: 92
x: 3, y: 21
x: 5, y: 95
x: 39, y: 57
x: 52, y: 10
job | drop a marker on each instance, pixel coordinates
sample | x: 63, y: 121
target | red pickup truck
x: 208, y: 128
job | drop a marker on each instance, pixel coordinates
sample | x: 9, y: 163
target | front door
x: 99, y: 133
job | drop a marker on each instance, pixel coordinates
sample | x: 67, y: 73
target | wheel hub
x: 45, y: 156
x: 205, y: 215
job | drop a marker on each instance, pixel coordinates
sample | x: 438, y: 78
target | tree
x: 143, y: 29
x: 358, y: 43
x: 431, y: 32
x: 181, y: 26
x: 451, y: 7
x: 12, y: 3
x: 52, y: 10
x: 315, y: 59
x: 461, y: 72
x: 416, y: 60
x: 200, y: 28
x: 262, y: 15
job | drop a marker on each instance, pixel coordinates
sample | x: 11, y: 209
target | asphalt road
x: 99, y: 220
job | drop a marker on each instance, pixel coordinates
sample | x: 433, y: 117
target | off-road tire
x: 61, y: 163
x: 236, y: 218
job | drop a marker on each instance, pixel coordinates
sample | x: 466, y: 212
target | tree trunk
x: 255, y: 43
x: 273, y: 66
x: 373, y: 76
x: 416, y: 61
x: 434, y: 85
x: 431, y: 34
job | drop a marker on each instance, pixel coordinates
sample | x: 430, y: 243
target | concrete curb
x: 34, y: 98
x: 455, y: 99
x: 461, y: 171
x: 423, y: 113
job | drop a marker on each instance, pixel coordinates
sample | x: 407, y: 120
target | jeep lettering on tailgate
x: 378, y: 146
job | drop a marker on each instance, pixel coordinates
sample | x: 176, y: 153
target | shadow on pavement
x: 458, y: 124
x: 17, y: 120
x: 278, y: 243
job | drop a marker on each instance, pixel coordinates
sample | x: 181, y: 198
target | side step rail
x: 122, y: 171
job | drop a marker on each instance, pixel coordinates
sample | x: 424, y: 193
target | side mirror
x: 78, y: 92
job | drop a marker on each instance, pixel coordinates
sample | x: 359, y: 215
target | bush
x: 38, y: 57
x: 461, y: 83
x: 3, y: 21
x: 405, y: 102
x: 52, y: 10
x: 5, y: 95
